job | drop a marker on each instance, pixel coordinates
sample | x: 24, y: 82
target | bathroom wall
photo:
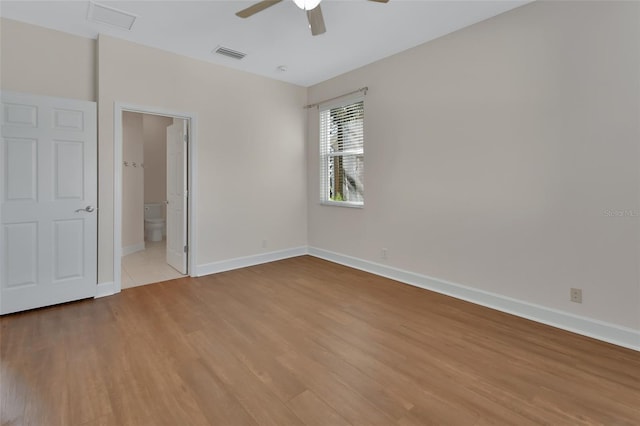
x: 144, y: 174
x: 154, y: 129
x: 132, y: 183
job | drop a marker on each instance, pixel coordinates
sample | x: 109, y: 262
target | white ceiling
x: 358, y: 31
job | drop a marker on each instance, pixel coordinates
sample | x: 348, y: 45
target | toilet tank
x: 154, y: 211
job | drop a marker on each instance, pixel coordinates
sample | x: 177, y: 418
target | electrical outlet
x: 383, y: 254
x: 576, y: 295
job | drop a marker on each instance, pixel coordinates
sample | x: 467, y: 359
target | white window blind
x: 342, y: 153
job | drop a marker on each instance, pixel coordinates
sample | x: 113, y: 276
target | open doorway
x: 154, y: 202
x: 153, y: 171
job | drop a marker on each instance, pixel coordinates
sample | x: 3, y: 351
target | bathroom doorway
x: 154, y: 198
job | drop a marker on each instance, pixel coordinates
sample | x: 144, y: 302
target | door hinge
x: 186, y: 138
x: 186, y: 249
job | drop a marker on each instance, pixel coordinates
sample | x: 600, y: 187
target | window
x: 342, y: 154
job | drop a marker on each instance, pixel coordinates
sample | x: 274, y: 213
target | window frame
x: 325, y: 155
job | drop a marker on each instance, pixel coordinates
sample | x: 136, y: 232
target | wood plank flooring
x: 303, y: 342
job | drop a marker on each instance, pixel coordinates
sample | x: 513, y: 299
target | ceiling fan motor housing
x: 307, y: 4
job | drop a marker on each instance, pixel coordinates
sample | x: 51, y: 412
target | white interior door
x: 177, y: 195
x: 48, y: 194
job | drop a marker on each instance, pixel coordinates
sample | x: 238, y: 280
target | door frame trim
x: 192, y: 120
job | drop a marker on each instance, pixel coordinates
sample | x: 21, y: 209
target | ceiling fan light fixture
x: 307, y: 4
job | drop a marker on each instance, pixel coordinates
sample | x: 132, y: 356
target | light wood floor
x: 303, y: 341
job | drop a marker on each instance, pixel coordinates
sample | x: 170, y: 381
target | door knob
x: 88, y: 209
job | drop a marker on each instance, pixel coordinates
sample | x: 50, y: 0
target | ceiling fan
x: 312, y: 7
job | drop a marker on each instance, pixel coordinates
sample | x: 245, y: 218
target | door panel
x: 22, y: 164
x: 177, y: 195
x: 21, y: 254
x: 68, y: 120
x: 48, y: 154
x: 20, y: 115
x: 68, y: 243
x: 68, y: 170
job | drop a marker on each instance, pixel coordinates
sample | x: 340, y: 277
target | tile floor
x: 147, y: 266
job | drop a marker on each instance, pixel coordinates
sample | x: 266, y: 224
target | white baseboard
x: 243, y: 262
x: 611, y: 333
x: 105, y: 289
x: 132, y: 249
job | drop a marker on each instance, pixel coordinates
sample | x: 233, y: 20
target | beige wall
x: 46, y: 62
x: 493, y: 155
x: 155, y: 157
x: 251, y: 152
x: 133, y: 182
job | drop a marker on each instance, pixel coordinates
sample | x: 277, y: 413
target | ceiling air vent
x: 109, y: 15
x: 229, y: 52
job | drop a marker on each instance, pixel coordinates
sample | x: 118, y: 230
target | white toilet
x: 153, y: 221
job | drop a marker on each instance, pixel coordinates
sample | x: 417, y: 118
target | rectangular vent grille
x: 229, y: 52
x: 109, y: 15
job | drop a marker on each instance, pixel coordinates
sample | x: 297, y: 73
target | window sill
x: 342, y: 204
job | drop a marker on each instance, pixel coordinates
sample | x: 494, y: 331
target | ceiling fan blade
x: 255, y: 8
x: 316, y: 21
x: 380, y: 1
